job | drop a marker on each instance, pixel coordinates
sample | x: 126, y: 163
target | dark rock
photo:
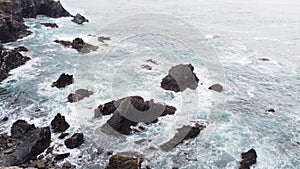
x: 102, y: 39
x: 248, y: 159
x: 152, y: 61
x: 125, y: 161
x: 180, y: 77
x: 147, y: 67
x: 51, y: 25
x: 271, y: 110
x: 67, y: 165
x: 5, y: 118
x: 129, y: 111
x: 29, y: 142
x: 264, y: 59
x: 109, y: 153
x: 184, y: 133
x: 79, y: 95
x: 50, y: 150
x: 63, y: 135
x: 100, y: 150
x: 63, y: 81
x: 21, y: 49
x: 216, y: 87
x: 75, y: 141
x: 59, y: 124
x: 61, y: 156
x: 79, y: 45
x: 79, y: 19
x: 10, y: 60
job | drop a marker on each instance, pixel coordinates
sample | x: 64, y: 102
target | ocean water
x: 222, y: 39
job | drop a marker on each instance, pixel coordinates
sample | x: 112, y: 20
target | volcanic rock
x: 79, y: 95
x: 51, y: 25
x: 125, y: 161
x: 79, y: 45
x: 79, y: 19
x: 248, y: 159
x: 63, y: 81
x: 59, y: 124
x: 75, y: 141
x: 180, y: 77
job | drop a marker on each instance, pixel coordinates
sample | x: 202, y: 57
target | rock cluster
x: 78, y: 44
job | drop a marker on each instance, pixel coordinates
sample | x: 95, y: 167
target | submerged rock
x: 102, y: 39
x: 63, y: 81
x: 264, y: 59
x: 51, y: 25
x: 248, y: 159
x: 125, y: 161
x: 180, y: 77
x: 184, y: 133
x: 21, y: 49
x: 79, y: 19
x: 28, y: 142
x: 75, y: 141
x: 79, y: 45
x: 59, y: 124
x: 79, y: 94
x: 216, y: 87
x: 129, y: 111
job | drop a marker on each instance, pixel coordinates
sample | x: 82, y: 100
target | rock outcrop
x: 79, y: 19
x: 26, y: 143
x: 10, y: 60
x: 79, y: 94
x: 12, y: 25
x: 180, y: 77
x: 248, y: 159
x: 59, y: 124
x: 75, y: 141
x: 63, y: 81
x: 129, y: 111
x: 125, y: 160
x: 184, y: 133
x: 79, y: 45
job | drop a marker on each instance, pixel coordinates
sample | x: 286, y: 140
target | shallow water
x: 239, y: 32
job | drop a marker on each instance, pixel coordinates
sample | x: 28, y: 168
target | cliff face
x: 12, y: 25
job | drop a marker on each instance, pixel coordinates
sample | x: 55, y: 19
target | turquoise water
x: 239, y: 33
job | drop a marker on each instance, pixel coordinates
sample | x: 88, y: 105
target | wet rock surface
x: 59, y: 124
x: 125, y: 160
x: 79, y: 19
x: 79, y: 45
x: 26, y: 143
x: 51, y: 25
x: 79, y: 94
x: 10, y: 60
x: 129, y: 111
x: 185, y: 133
x: 63, y: 81
x: 180, y: 78
x: 216, y: 87
x: 248, y: 159
x: 75, y: 141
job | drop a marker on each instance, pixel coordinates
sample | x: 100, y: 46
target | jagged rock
x: 79, y: 95
x: 12, y: 25
x: 51, y: 25
x: 216, y: 87
x: 248, y: 159
x: 79, y: 45
x: 28, y: 142
x: 79, y: 19
x: 180, y: 77
x: 10, y: 60
x: 271, y: 110
x: 61, y: 156
x: 102, y: 39
x: 75, y: 141
x: 63, y: 81
x: 184, y: 133
x: 147, y: 67
x: 129, y: 111
x: 59, y: 124
x: 125, y: 161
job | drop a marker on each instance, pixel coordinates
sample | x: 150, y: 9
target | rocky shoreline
x: 30, y: 146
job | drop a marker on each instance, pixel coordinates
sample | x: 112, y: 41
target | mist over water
x: 240, y: 32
